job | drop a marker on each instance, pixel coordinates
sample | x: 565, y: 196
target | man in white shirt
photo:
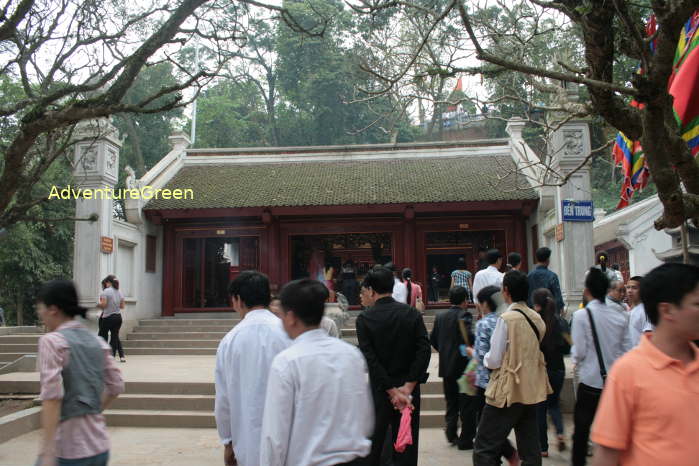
x: 611, y: 327
x: 490, y: 275
x: 615, y: 296
x: 638, y: 320
x: 318, y: 409
x: 243, y: 359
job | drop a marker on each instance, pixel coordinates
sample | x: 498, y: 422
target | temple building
x: 205, y: 215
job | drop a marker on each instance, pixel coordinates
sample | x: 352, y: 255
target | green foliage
x: 146, y: 134
x: 32, y: 253
x: 231, y: 114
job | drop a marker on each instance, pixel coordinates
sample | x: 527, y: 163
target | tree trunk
x: 132, y: 132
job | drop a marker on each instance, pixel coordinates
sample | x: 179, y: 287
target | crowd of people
x: 288, y: 393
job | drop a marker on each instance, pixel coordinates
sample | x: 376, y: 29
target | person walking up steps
x: 600, y: 337
x: 650, y: 405
x: 243, y: 359
x: 518, y: 382
x: 553, y: 346
x: 78, y: 379
x: 111, y: 302
x: 446, y: 338
x: 393, y: 338
x: 318, y: 407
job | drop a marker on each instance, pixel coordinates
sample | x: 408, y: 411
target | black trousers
x: 387, y: 416
x: 506, y: 450
x: 495, y: 426
x: 459, y: 407
x: 585, y: 408
x: 112, y: 324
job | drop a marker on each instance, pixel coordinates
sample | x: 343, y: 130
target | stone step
x: 162, y: 402
x: 177, y: 336
x: 24, y: 348
x: 6, y: 358
x: 172, y: 343
x: 352, y: 332
x: 159, y: 418
x: 353, y: 340
x: 432, y: 402
x: 173, y: 351
x: 197, y: 419
x: 351, y: 322
x: 179, y: 329
x: 14, y: 339
x: 164, y: 322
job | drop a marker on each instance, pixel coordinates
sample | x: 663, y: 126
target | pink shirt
x: 415, y: 292
x: 82, y: 436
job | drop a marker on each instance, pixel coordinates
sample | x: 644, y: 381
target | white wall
x: 142, y: 290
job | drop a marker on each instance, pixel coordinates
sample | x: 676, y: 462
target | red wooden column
x: 409, y: 246
x: 168, y: 290
x: 273, y: 264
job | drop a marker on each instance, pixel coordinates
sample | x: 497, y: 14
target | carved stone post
x: 95, y: 172
x: 570, y: 147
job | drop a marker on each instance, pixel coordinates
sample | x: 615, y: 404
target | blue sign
x: 578, y: 211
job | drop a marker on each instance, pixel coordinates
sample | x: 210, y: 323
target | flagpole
x: 194, y: 102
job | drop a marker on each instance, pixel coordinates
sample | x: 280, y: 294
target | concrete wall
x: 142, y: 290
x: 634, y: 228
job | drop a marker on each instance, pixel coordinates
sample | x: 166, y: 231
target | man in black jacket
x: 393, y: 338
x: 446, y: 338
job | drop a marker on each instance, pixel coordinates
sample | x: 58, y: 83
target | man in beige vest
x: 518, y: 381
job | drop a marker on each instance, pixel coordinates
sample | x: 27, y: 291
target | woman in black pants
x: 552, y: 345
x: 111, y: 302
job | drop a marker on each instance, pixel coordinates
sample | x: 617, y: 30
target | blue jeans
x: 552, y: 406
x: 97, y: 460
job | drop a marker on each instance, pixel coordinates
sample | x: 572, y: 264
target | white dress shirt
x: 612, y: 330
x: 330, y: 327
x: 243, y: 359
x: 638, y: 324
x: 319, y: 409
x: 498, y: 345
x: 486, y: 277
x: 400, y: 291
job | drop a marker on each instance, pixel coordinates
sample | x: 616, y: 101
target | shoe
x: 451, y: 438
x: 465, y: 446
x: 561, y: 443
x: 544, y: 454
x: 514, y: 459
x: 122, y: 359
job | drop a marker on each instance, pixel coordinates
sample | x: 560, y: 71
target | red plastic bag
x: 405, y: 433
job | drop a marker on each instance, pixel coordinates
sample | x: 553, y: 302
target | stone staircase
x: 16, y: 342
x: 192, y: 404
x: 193, y: 336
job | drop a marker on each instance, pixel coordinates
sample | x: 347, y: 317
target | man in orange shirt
x: 650, y: 405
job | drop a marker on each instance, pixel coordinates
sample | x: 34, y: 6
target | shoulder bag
x: 598, y: 350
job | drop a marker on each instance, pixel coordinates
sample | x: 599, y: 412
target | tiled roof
x: 356, y: 182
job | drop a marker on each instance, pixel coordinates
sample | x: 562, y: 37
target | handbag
x: 467, y: 381
x: 598, y: 350
x: 419, y: 305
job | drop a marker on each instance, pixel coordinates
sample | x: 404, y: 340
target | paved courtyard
x: 133, y: 446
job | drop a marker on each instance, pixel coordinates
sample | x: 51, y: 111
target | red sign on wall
x: 106, y: 244
x: 560, y: 236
